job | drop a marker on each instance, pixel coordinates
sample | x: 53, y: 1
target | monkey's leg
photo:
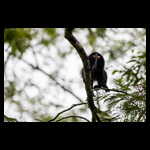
x: 100, y: 84
x: 92, y: 84
x: 106, y: 90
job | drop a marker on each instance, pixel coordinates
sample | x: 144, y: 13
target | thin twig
x: 72, y: 117
x: 35, y: 57
x: 66, y: 110
x: 96, y: 89
x: 50, y: 76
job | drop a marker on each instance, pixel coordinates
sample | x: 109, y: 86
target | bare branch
x: 50, y: 76
x: 35, y: 57
x: 96, y: 89
x: 66, y: 110
x: 72, y: 117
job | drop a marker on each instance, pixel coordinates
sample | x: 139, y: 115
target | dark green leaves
x: 114, y: 72
x: 8, y: 119
x: 18, y: 39
x: 131, y: 106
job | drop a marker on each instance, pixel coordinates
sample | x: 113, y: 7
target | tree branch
x: 72, y: 117
x: 66, y: 110
x: 96, y: 89
x: 50, y: 76
x: 87, y: 71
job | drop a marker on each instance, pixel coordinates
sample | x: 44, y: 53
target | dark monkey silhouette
x: 97, y: 71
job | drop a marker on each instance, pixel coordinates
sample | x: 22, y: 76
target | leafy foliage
x: 19, y: 39
x: 131, y: 106
x: 8, y: 119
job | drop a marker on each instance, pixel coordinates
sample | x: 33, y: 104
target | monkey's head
x: 96, y: 61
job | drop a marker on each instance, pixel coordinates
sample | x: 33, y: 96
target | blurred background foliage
x: 41, y: 73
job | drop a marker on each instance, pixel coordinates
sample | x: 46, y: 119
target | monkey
x: 98, y: 73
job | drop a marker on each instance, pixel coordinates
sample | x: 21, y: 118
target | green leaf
x: 133, y: 60
x: 132, y: 50
x: 8, y: 119
x: 114, y: 71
